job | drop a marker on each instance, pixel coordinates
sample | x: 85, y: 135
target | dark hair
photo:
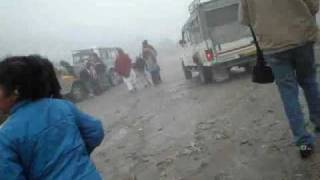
x: 29, y: 77
x: 120, y: 51
x: 55, y: 88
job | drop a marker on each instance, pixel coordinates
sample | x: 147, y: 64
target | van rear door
x: 229, y: 37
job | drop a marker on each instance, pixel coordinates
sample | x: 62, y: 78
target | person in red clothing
x: 124, y: 68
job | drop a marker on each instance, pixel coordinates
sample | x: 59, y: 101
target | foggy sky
x: 54, y: 28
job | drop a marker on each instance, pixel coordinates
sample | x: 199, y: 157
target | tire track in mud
x: 219, y: 129
x: 128, y: 128
x: 135, y: 126
x: 217, y: 132
x: 137, y: 157
x: 214, y: 131
x: 197, y: 149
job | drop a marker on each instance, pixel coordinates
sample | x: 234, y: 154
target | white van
x: 213, y: 40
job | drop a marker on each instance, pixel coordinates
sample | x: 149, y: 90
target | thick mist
x: 55, y: 28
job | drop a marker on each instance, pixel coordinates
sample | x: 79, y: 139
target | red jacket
x: 123, y: 65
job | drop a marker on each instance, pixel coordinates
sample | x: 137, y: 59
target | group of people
x: 44, y: 137
x: 93, y: 74
x: 146, y: 65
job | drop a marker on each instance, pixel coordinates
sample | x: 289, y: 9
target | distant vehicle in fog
x: 75, y: 88
x: 107, y: 55
x: 213, y: 40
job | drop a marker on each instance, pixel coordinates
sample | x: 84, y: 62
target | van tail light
x: 209, y: 55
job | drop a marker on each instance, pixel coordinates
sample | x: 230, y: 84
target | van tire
x: 205, y: 75
x: 187, y: 73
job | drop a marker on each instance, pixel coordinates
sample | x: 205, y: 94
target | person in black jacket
x: 87, y: 78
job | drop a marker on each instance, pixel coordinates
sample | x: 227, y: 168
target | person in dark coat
x: 87, y: 76
x: 152, y: 66
x: 101, y: 71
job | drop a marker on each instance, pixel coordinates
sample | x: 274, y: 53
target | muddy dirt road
x: 182, y: 130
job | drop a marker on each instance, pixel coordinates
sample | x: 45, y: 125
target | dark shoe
x: 306, y: 150
x: 317, y: 130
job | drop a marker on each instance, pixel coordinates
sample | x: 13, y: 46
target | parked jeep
x: 106, y: 55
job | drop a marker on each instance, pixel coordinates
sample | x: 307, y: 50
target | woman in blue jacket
x: 44, y: 138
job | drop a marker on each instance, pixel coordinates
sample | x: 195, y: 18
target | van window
x: 104, y: 55
x: 195, y: 31
x: 224, y: 26
x: 186, y: 36
x: 222, y: 16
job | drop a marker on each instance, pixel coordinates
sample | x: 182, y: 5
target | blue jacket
x: 48, y: 139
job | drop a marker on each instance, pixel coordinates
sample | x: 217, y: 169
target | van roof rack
x: 196, y: 3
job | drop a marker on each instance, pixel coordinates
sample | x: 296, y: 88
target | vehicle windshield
x: 108, y: 55
x: 80, y: 58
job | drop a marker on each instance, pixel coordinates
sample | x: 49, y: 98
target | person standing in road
x: 94, y: 76
x: 86, y: 76
x: 100, y: 67
x: 123, y: 67
x: 145, y: 44
x: 44, y: 137
x: 286, y: 31
x: 139, y: 67
x: 152, y: 67
x: 100, y: 71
